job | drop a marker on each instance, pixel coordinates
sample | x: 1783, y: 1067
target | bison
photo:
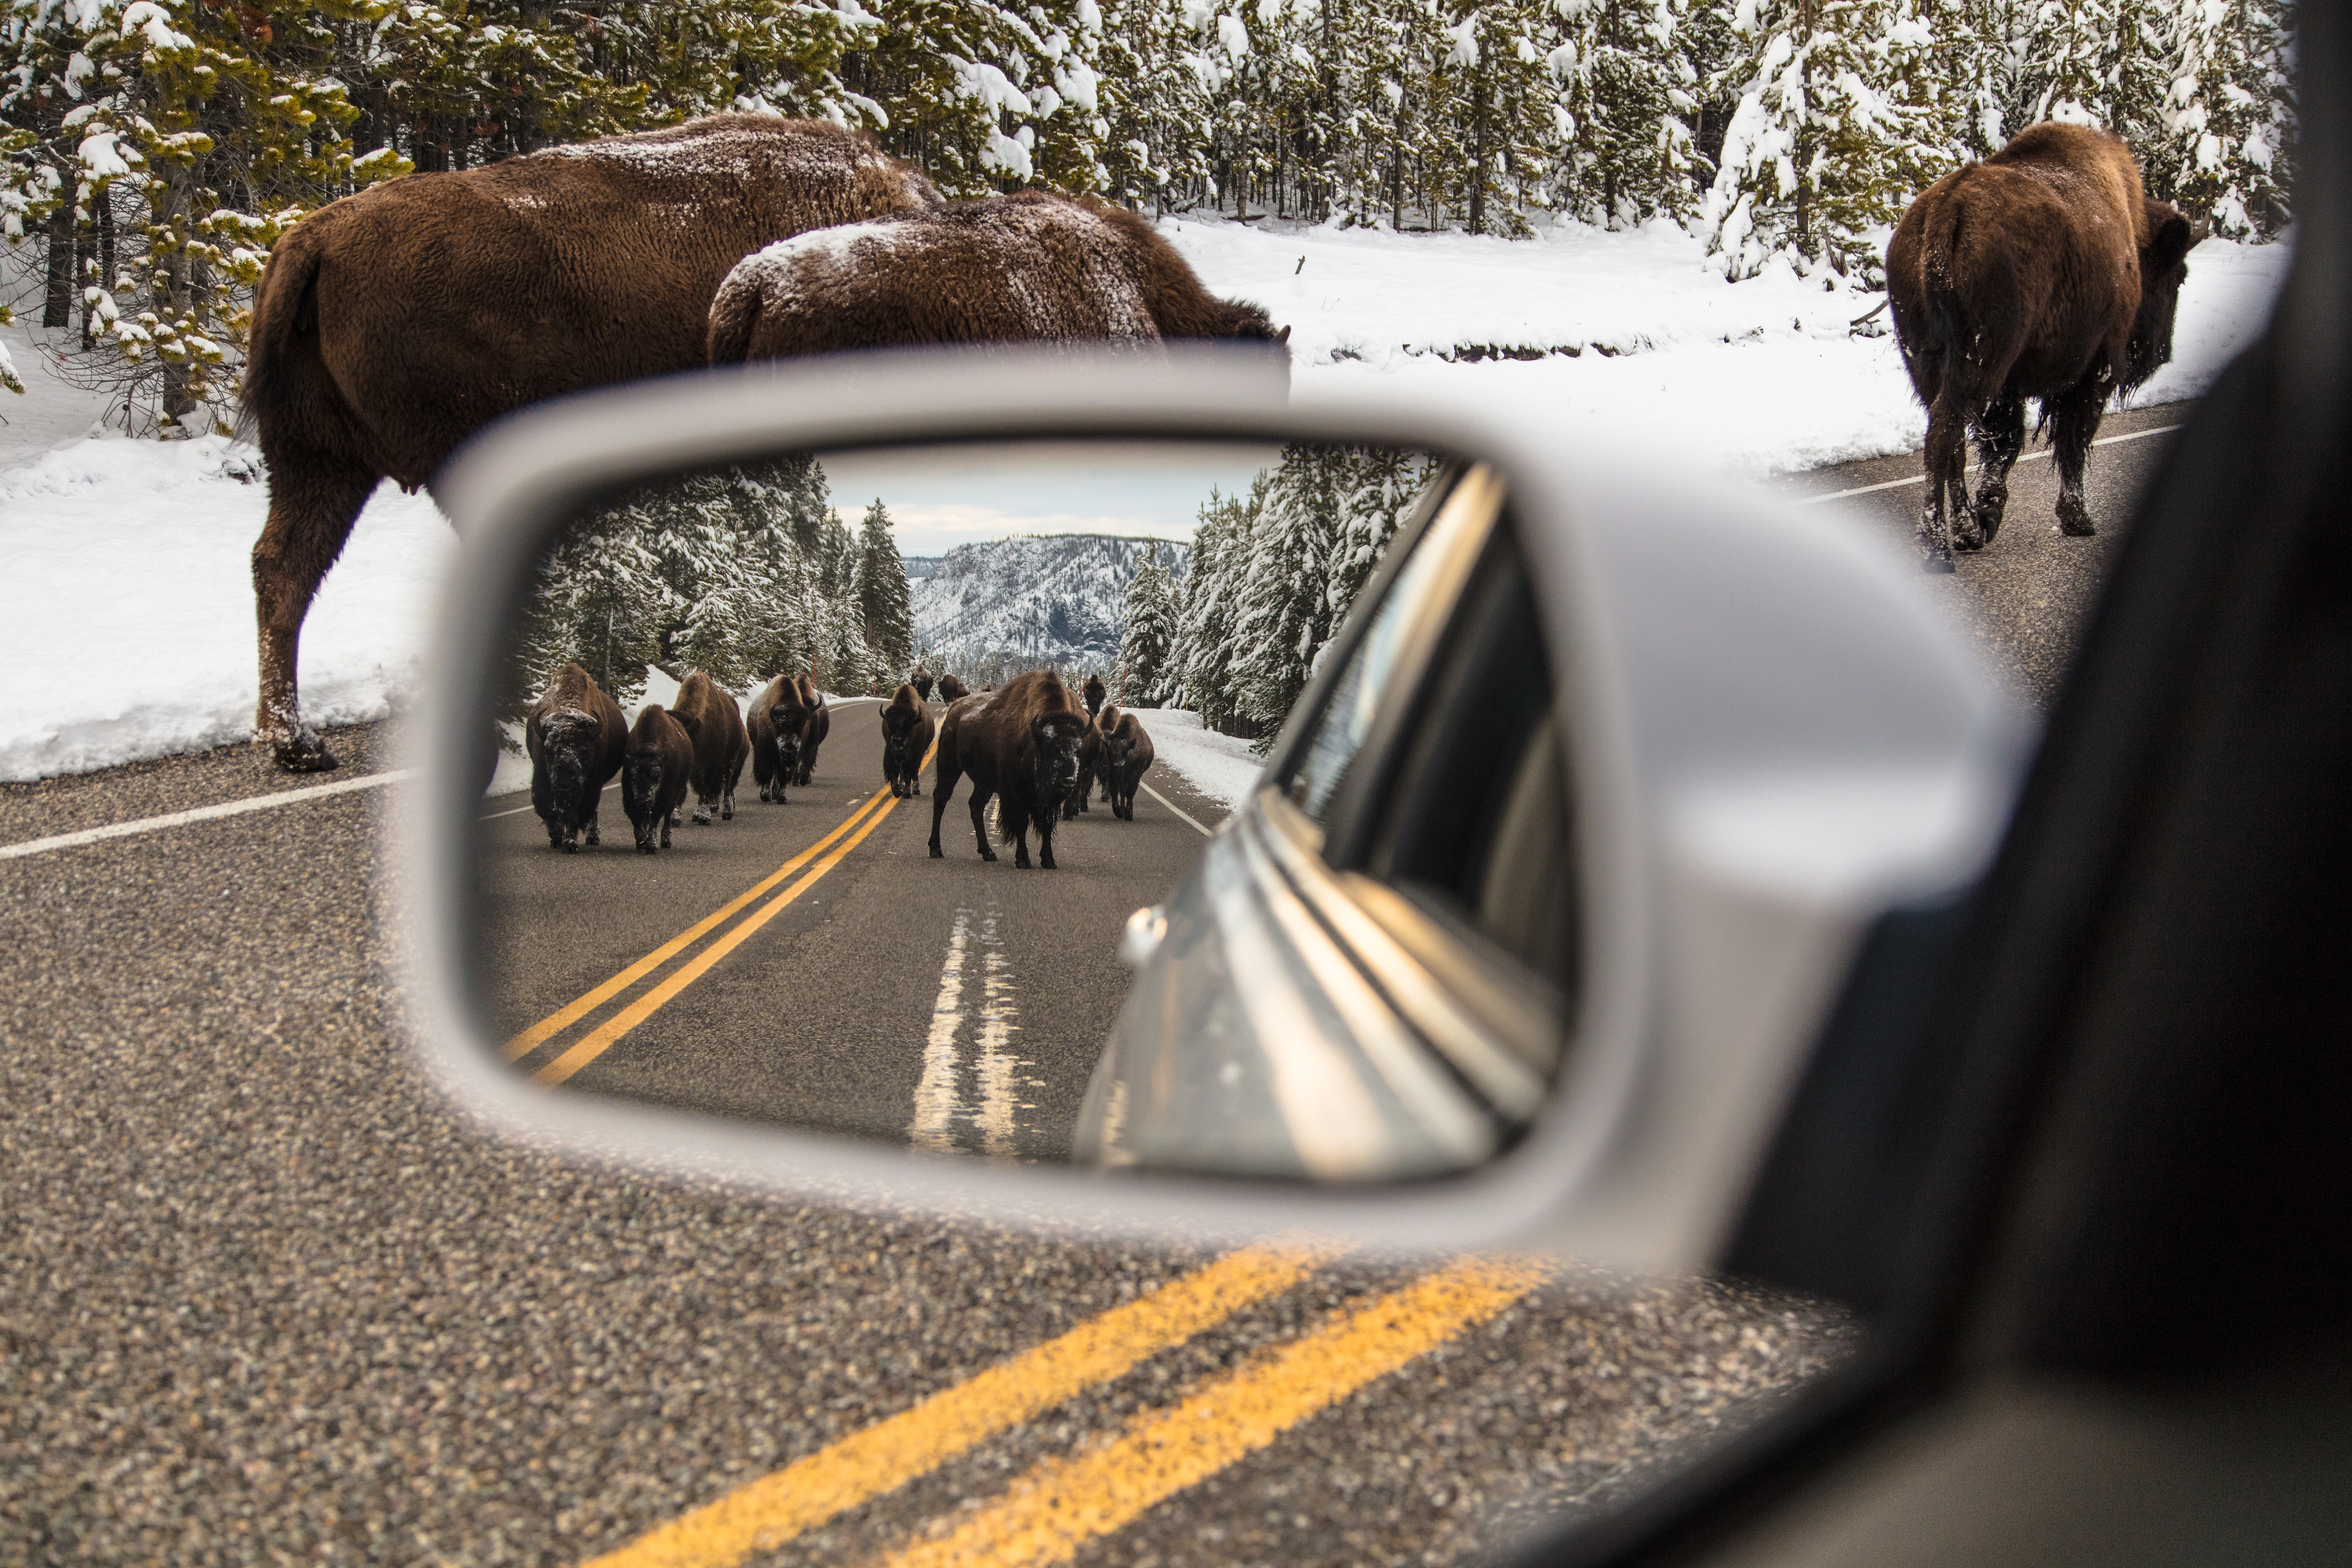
x: 1028, y: 267
x: 395, y: 322
x: 952, y: 691
x: 1126, y: 754
x: 576, y: 736
x: 2043, y: 272
x: 1105, y: 722
x: 906, y: 731
x: 715, y: 724
x: 1094, y: 692
x: 789, y: 721
x: 1090, y: 747
x: 656, y: 772
x: 1019, y: 743
x: 922, y: 681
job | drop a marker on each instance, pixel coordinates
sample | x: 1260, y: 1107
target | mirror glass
x: 1173, y: 804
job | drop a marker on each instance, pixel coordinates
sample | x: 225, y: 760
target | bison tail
x: 735, y: 320
x: 285, y: 314
x: 1945, y: 325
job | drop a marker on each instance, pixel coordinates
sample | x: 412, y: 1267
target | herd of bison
x: 1027, y: 744
x: 392, y: 324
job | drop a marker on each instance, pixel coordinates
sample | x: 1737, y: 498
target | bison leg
x: 313, y: 502
x: 940, y: 794
x: 2073, y: 427
x: 979, y: 824
x: 1945, y: 458
x: 2001, y: 436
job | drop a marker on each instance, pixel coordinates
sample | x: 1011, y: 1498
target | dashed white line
x: 200, y: 814
x: 934, y: 1092
x: 1179, y: 811
x: 2029, y: 457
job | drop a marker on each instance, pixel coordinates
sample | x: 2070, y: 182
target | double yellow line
x: 807, y: 866
x: 1061, y: 1504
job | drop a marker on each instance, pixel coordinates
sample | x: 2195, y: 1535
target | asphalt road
x: 265, y: 1296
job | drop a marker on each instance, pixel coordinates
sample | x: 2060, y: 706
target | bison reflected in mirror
x: 1020, y: 744
x: 575, y: 736
x: 907, y: 732
x: 655, y: 776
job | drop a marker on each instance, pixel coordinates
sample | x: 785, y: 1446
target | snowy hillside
x: 1054, y: 600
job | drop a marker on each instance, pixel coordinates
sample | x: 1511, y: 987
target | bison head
x: 1055, y: 739
x: 788, y: 719
x: 1115, y: 749
x: 2163, y: 267
x: 567, y: 750
x: 641, y: 781
x: 897, y: 741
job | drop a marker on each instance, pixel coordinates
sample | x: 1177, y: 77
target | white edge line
x: 200, y: 813
x: 517, y: 811
x: 1179, y: 811
x: 2028, y: 458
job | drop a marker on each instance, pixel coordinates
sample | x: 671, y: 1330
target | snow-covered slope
x: 1056, y: 599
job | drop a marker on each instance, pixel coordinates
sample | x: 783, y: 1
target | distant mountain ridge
x: 1031, y: 601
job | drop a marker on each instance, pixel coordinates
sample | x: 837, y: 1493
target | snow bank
x: 127, y: 604
x: 1219, y: 766
x: 1632, y: 332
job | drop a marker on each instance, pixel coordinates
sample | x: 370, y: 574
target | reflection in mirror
x: 878, y: 791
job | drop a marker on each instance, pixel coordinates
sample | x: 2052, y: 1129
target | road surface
x: 267, y: 1297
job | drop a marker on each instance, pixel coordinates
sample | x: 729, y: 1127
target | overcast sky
x: 940, y: 497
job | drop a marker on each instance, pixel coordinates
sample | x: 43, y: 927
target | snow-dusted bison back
x: 1029, y: 268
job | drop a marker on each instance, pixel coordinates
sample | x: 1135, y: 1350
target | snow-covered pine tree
x: 1626, y: 110
x: 1149, y: 613
x: 601, y: 600
x: 881, y: 592
x: 2226, y: 151
x: 1824, y: 147
x: 1377, y: 488
x: 1283, y: 617
x: 1208, y: 609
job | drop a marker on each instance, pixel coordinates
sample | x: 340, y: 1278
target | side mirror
x: 1576, y: 785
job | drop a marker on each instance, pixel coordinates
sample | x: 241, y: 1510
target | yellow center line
x: 1061, y: 1504
x: 579, y: 1007
x: 768, y: 1513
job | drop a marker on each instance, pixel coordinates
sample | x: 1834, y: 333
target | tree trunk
x: 56, y: 301
x: 1478, y: 150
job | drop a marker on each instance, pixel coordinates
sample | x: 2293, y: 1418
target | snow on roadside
x: 1219, y: 766
x: 128, y: 605
x: 1755, y: 378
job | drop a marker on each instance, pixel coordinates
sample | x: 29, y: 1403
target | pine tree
x: 2226, y: 151
x: 1144, y: 650
x: 884, y: 601
x: 1208, y: 607
x: 1629, y: 151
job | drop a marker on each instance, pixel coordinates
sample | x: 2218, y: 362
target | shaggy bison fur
x: 1105, y: 722
x: 1020, y: 744
x: 1027, y: 267
x: 951, y: 690
x: 394, y: 323
x: 1090, y: 749
x: 789, y: 721
x: 715, y: 725
x: 922, y: 681
x: 2043, y: 272
x: 655, y: 774
x: 1126, y: 754
x: 576, y: 735
x: 1094, y: 692
x: 906, y: 731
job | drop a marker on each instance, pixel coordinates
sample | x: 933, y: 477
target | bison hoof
x: 937, y: 853
x: 569, y: 847
x: 726, y: 814
x: 2074, y: 518
x: 702, y: 819
x: 1938, y: 563
x: 305, y: 753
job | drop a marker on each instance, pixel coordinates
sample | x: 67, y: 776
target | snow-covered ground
x: 1759, y: 377
x: 126, y: 605
x: 1219, y: 766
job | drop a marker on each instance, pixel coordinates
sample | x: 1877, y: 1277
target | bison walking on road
x: 1027, y: 267
x: 922, y: 681
x: 1090, y: 749
x: 1105, y: 722
x: 655, y: 773
x: 907, y: 732
x: 392, y: 324
x: 1019, y: 743
x: 951, y: 690
x: 1093, y: 690
x: 789, y: 721
x: 715, y: 724
x: 576, y: 735
x: 1126, y: 755
x: 2043, y: 272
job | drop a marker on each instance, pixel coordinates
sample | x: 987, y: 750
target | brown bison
x: 655, y: 773
x: 2041, y: 272
x: 1090, y: 749
x: 392, y: 324
x: 789, y: 721
x: 951, y: 690
x: 1027, y: 267
x: 1019, y: 743
x: 715, y: 724
x: 1094, y: 691
x: 922, y: 681
x: 1105, y: 722
x: 576, y: 736
x: 906, y: 731
x: 1126, y: 755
